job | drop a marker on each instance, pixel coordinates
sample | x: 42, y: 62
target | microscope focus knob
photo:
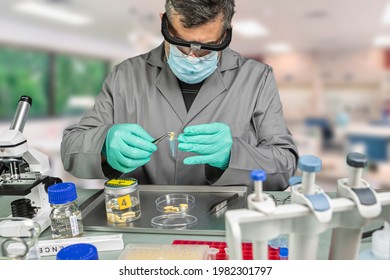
x: 357, y: 160
x: 309, y: 163
x: 258, y: 175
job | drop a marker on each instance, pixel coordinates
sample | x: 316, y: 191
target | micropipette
x: 258, y: 176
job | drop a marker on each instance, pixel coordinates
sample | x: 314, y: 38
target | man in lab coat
x: 224, y: 109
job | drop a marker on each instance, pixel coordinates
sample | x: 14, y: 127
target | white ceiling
x: 314, y: 26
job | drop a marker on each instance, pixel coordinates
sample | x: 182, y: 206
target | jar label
x: 120, y: 182
x: 74, y: 225
x: 124, y: 202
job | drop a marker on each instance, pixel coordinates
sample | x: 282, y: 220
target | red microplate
x: 273, y: 254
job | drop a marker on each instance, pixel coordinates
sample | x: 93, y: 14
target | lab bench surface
x: 145, y: 237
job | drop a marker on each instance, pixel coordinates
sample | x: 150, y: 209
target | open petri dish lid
x: 174, y: 221
x: 175, y: 203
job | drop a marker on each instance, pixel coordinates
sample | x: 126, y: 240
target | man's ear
x: 161, y: 15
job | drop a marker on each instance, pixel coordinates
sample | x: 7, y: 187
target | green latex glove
x: 127, y: 147
x: 212, y: 142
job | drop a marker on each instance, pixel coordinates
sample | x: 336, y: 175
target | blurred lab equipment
x: 65, y: 215
x: 310, y: 213
x: 307, y: 193
x: 25, y: 171
x: 325, y: 127
x: 366, y: 200
x: 283, y: 253
x: 380, y: 245
x: 372, y: 140
x: 223, y: 252
x: 18, y: 238
x: 263, y: 203
x: 278, y: 248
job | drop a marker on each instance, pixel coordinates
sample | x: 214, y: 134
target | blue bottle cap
x: 81, y: 251
x: 283, y: 252
x: 62, y: 193
x: 258, y: 175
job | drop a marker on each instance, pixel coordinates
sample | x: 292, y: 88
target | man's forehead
x: 177, y: 18
x: 209, y: 32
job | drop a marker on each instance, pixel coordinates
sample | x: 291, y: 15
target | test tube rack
x: 310, y: 214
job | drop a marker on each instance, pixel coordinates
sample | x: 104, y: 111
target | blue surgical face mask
x: 189, y: 69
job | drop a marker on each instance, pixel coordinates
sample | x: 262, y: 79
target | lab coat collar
x: 156, y: 57
x: 228, y: 60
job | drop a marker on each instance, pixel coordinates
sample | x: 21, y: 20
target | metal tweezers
x: 159, y: 139
x: 215, y: 207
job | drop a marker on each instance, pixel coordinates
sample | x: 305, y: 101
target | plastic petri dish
x: 174, y: 221
x: 175, y: 203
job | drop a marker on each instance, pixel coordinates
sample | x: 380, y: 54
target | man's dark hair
x: 197, y: 12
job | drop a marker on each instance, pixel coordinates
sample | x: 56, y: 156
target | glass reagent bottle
x: 65, y: 216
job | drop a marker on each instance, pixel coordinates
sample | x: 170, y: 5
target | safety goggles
x: 196, y: 48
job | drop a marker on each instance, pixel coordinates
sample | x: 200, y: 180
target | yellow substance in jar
x: 116, y: 218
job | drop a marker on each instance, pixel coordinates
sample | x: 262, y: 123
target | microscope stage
x: 19, y: 187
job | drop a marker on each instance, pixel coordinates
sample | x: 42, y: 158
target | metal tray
x: 94, y: 213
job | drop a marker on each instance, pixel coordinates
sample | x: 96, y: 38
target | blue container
x: 81, y: 251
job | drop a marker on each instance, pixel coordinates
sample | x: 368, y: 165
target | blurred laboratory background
x: 331, y: 59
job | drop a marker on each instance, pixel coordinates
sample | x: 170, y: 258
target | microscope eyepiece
x: 21, y: 113
x: 26, y: 98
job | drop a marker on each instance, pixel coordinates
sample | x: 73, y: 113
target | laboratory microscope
x: 24, y: 171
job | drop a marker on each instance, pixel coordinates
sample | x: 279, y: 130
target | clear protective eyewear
x: 196, y: 48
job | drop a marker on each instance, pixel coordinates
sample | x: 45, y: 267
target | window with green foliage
x: 23, y: 73
x: 78, y: 81
x: 58, y: 84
